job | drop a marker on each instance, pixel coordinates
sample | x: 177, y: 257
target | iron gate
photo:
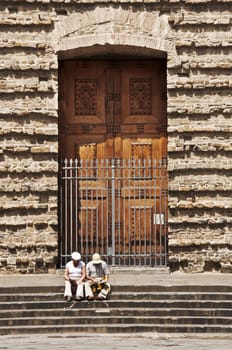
x: 115, y: 207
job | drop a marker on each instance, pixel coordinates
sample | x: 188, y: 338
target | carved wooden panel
x: 87, y: 154
x: 87, y: 151
x: 141, y: 150
x: 85, y: 97
x: 140, y: 90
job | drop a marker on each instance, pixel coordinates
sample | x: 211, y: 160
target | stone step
x: 126, y: 296
x: 123, y: 328
x: 124, y: 288
x: 129, y: 309
x: 120, y: 303
x: 116, y: 320
x: 161, y: 312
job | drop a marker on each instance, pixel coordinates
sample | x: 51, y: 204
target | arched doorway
x: 112, y: 112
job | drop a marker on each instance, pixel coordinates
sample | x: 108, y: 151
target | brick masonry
x: 197, y: 37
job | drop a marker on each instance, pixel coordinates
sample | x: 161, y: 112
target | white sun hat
x: 96, y: 258
x: 76, y: 256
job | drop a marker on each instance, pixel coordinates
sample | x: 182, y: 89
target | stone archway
x: 112, y: 30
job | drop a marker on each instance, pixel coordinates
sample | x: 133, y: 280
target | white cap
x: 76, y: 256
x: 96, y: 258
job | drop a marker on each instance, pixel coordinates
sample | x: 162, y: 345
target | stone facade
x: 196, y: 35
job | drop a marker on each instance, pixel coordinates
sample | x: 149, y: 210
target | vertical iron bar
x: 86, y: 210
x: 80, y: 207
x: 103, y: 181
x: 135, y: 228
x: 61, y: 212
x: 107, y: 204
x: 165, y: 211
x: 76, y: 203
x: 118, y: 210
x: 150, y: 184
x: 113, y: 211
x: 155, y: 209
x: 70, y: 204
x: 129, y: 209
x: 124, y: 210
x: 91, y: 204
x: 160, y: 211
x: 139, y: 210
x: 96, y: 205
x: 145, y: 211
x: 66, y: 207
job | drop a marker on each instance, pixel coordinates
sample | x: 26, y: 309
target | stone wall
x: 198, y: 41
x: 28, y: 138
x: 200, y: 143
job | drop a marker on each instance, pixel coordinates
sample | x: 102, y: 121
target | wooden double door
x: 114, y: 111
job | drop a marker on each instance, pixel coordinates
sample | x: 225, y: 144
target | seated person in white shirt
x: 74, y: 276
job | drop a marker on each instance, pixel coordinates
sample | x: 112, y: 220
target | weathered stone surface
x: 197, y: 37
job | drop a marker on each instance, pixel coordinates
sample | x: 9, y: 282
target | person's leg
x: 67, y: 290
x: 104, y: 292
x: 88, y: 291
x: 80, y: 291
